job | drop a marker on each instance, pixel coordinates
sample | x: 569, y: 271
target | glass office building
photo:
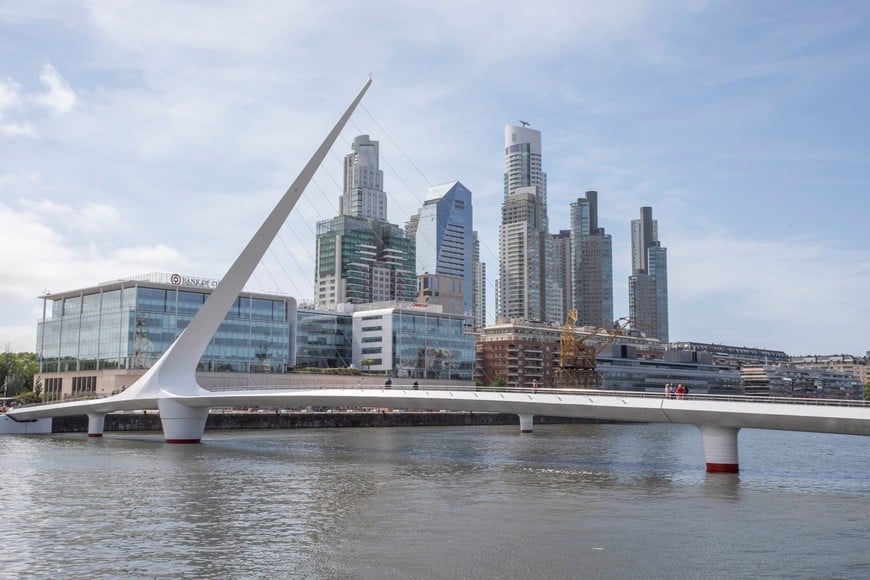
x: 323, y: 339
x: 413, y: 342
x: 129, y: 324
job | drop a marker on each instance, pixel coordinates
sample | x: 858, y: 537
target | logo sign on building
x: 193, y: 281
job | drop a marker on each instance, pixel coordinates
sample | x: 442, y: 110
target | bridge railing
x: 567, y: 391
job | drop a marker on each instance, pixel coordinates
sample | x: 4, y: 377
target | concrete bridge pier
x: 526, y: 423
x: 181, y: 424
x: 720, y: 448
x: 95, y: 424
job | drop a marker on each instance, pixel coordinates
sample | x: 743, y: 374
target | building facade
x: 731, y: 355
x: 443, y: 234
x: 528, y: 288
x: 858, y: 366
x: 408, y: 341
x: 478, y: 285
x: 648, y: 283
x: 562, y: 268
x: 363, y: 193
x: 324, y: 339
x: 591, y: 264
x: 126, y: 325
x: 361, y: 261
x: 524, y: 354
x: 362, y: 258
x: 788, y: 380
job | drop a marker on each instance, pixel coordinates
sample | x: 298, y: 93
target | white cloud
x: 59, y: 96
x: 19, y: 130
x: 9, y: 94
x: 66, y: 257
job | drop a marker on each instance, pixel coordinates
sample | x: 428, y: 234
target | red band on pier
x: 722, y: 468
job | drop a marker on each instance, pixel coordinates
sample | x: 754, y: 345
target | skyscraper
x: 363, y: 193
x: 478, y: 285
x: 648, y: 283
x: 442, y: 231
x: 562, y: 267
x: 361, y: 257
x: 528, y: 288
x: 591, y: 263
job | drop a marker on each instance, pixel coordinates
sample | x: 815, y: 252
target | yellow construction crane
x: 577, y: 353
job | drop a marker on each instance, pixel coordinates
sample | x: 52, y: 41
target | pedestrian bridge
x: 719, y: 418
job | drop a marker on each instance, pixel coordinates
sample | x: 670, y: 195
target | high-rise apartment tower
x: 648, y: 283
x: 591, y: 264
x: 527, y: 285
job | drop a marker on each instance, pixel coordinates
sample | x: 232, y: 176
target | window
x: 84, y: 385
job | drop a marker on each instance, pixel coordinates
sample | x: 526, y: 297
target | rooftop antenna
x: 524, y: 123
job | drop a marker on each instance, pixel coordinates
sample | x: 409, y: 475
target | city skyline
x: 737, y: 124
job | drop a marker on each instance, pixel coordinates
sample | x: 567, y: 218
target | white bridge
x: 170, y: 384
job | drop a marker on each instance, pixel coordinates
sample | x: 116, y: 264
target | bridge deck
x: 816, y: 415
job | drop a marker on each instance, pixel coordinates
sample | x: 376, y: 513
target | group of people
x: 678, y: 391
x: 388, y: 384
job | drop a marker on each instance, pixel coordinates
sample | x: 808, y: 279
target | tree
x: 498, y: 382
x: 867, y: 391
x: 17, y: 371
x: 365, y: 363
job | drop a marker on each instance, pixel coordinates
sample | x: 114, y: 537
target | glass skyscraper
x: 361, y: 257
x: 442, y: 231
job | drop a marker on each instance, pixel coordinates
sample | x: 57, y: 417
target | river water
x: 569, y: 501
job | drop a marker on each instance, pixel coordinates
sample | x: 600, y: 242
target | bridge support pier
x: 526, y: 423
x: 95, y: 424
x: 181, y: 424
x: 720, y: 448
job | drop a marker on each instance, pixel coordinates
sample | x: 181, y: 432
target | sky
x: 156, y: 136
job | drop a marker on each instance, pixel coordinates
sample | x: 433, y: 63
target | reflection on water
x: 603, y: 501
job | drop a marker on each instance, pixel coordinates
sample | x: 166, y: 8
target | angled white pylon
x: 174, y: 373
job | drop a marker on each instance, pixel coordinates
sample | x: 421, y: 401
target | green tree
x: 365, y: 363
x: 17, y: 371
x: 867, y: 391
x: 498, y: 383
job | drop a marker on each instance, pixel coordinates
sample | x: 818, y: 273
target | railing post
x: 720, y: 448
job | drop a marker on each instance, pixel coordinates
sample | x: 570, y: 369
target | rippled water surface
x: 569, y: 501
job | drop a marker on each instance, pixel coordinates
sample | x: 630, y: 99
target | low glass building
x: 323, y: 339
x: 129, y: 324
x: 413, y: 341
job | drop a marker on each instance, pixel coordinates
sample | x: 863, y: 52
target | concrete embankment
x: 220, y: 421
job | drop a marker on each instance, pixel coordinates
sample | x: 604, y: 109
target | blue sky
x: 155, y: 136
